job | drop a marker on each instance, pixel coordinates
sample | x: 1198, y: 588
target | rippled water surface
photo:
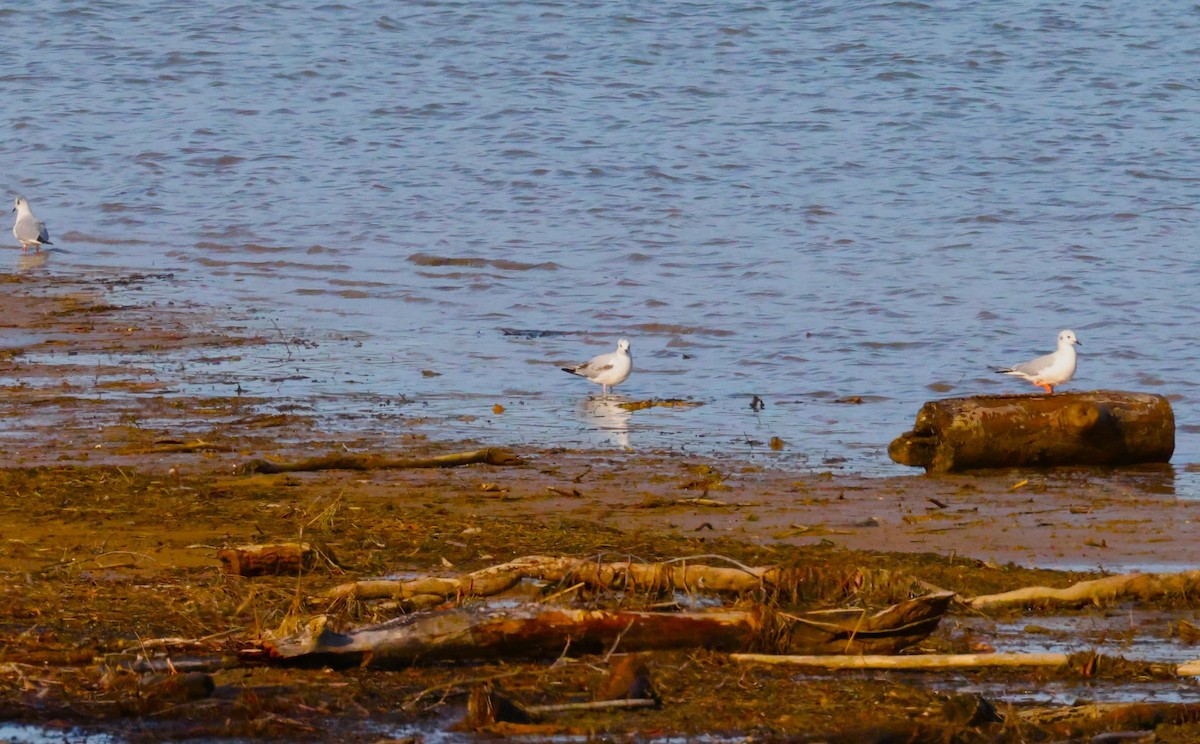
x: 808, y: 202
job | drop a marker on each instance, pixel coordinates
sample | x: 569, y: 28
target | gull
x: 29, y: 229
x: 607, y: 370
x: 1052, y: 369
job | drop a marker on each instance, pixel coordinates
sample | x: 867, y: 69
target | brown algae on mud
x: 117, y: 501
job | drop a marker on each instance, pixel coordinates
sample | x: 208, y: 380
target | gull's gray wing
x: 597, y: 365
x: 30, y: 229
x: 1035, y: 367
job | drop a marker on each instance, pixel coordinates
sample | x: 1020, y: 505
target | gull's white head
x: 20, y: 202
x: 623, y: 345
x: 1067, y: 338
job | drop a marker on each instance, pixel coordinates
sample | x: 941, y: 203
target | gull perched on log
x: 607, y: 370
x: 29, y: 229
x: 1052, y: 369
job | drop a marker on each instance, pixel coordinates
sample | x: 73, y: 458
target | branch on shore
x: 1140, y: 586
x: 1084, y: 664
x: 427, y: 591
x: 1080, y: 721
x: 487, y: 456
x: 917, y: 662
x: 650, y: 578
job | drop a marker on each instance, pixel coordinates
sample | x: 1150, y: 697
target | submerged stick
x: 593, y: 705
x: 163, y: 448
x: 487, y: 456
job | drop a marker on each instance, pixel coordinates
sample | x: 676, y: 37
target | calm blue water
x: 800, y: 201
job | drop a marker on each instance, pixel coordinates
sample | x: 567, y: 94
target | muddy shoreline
x: 119, y: 490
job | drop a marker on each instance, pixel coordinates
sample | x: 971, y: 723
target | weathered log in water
x: 544, y: 632
x: 1102, y: 427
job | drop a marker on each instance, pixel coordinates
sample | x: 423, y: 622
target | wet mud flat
x: 118, y: 493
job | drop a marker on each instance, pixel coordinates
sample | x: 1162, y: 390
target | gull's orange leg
x: 1049, y: 389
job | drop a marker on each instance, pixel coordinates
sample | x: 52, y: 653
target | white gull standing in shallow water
x: 28, y: 229
x: 1052, y: 369
x: 607, y: 370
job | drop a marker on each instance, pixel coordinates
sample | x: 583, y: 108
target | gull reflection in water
x: 32, y: 261
x: 608, y: 416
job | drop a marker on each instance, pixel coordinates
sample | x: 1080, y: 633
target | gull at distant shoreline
x: 607, y: 370
x: 29, y: 229
x: 1052, y: 369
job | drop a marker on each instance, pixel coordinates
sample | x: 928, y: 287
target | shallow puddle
x: 20, y: 733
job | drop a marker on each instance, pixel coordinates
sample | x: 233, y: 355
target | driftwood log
x: 488, y: 456
x: 534, y: 632
x: 997, y: 431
